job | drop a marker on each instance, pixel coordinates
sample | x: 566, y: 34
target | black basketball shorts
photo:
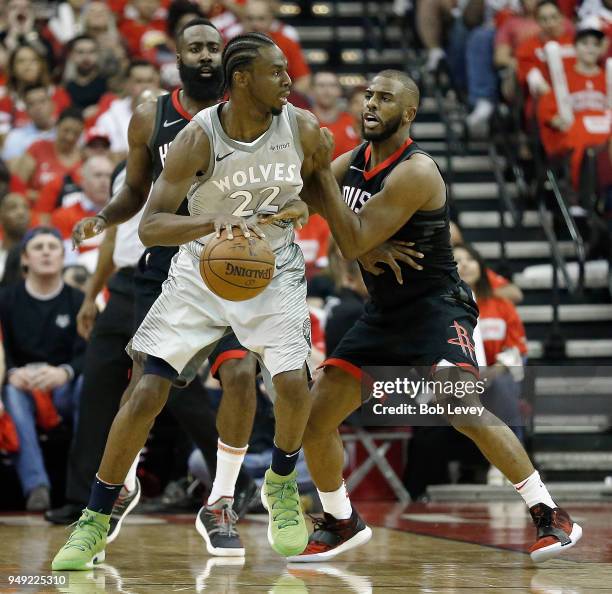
x: 428, y: 331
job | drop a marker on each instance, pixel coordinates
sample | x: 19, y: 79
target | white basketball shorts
x: 188, y: 316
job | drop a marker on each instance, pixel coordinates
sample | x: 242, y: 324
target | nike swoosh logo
x: 356, y: 168
x: 224, y: 156
x: 292, y: 455
x: 167, y: 124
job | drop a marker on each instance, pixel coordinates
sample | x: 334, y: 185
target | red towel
x: 9, y: 442
x: 46, y: 415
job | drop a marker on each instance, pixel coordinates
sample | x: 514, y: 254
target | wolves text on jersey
x: 269, y: 172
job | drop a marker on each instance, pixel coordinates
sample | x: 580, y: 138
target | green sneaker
x: 287, y: 531
x: 86, y: 544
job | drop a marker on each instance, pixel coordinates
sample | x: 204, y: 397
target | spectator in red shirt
x: 25, y: 68
x: 96, y: 179
x: 327, y: 95
x: 513, y: 31
x: 47, y: 160
x: 259, y: 18
x: 504, y: 339
x: 144, y: 31
x: 65, y: 191
x: 586, y: 85
x: 531, y: 63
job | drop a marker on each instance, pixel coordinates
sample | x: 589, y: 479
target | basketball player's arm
x: 133, y: 194
x: 160, y: 225
x: 96, y: 282
x: 388, y: 252
x: 412, y: 185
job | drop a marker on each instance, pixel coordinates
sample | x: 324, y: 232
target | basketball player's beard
x: 388, y: 130
x: 202, y: 89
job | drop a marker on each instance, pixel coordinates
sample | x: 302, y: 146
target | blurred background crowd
x: 70, y: 76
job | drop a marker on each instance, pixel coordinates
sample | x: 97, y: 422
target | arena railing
x: 555, y: 343
x: 505, y: 202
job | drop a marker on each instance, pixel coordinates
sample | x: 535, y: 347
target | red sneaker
x: 331, y: 537
x: 556, y: 532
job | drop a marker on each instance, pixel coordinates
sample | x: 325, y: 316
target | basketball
x: 237, y: 269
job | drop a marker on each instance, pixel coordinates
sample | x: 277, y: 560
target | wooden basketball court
x: 430, y: 548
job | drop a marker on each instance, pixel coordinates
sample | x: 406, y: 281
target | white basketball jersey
x: 243, y: 179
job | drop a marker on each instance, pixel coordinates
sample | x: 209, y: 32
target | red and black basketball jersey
x: 170, y: 119
x: 429, y: 230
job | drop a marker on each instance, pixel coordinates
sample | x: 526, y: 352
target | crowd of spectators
x: 495, y: 52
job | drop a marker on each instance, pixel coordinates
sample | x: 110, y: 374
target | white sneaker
x: 434, y: 57
x: 478, y: 120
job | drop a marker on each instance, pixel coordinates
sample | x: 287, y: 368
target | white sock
x: 533, y: 491
x: 229, y: 461
x: 130, y: 479
x: 337, y: 503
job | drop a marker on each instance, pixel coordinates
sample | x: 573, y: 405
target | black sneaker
x: 331, y: 537
x: 125, y: 503
x: 244, y: 497
x: 216, y: 524
x: 65, y: 515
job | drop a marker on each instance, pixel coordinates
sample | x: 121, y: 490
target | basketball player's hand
x: 228, y: 222
x: 296, y: 211
x: 86, y: 229
x: 86, y: 318
x: 390, y: 253
x: 322, y: 157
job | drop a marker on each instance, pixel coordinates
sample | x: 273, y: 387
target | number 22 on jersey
x: 251, y: 203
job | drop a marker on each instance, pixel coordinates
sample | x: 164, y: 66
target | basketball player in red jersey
x: 393, y: 190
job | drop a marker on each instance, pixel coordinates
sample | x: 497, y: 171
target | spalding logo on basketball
x: 237, y: 269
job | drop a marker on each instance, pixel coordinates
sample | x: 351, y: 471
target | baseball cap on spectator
x: 41, y: 230
x: 94, y: 134
x: 591, y: 25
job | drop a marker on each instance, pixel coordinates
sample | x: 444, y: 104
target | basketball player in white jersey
x: 241, y: 158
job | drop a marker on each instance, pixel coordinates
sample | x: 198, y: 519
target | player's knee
x: 238, y: 378
x: 149, y: 397
x: 292, y: 386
